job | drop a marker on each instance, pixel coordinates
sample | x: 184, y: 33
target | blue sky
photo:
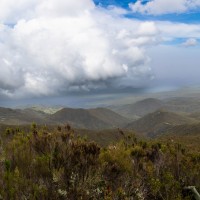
x: 192, y: 16
x: 123, y: 4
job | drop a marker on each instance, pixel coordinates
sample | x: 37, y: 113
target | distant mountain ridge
x: 99, y: 118
x: 89, y: 118
x: 158, y: 122
x: 143, y: 107
x: 17, y: 116
x: 149, y: 116
x: 140, y: 108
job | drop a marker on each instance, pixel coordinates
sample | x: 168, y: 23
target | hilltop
x: 158, y: 122
x: 18, y: 116
x: 140, y: 108
x: 99, y: 118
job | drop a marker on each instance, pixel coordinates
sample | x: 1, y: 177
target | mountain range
x: 99, y: 118
x: 151, y: 116
x: 148, y: 105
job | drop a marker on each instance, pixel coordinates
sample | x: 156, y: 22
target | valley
x: 149, y: 117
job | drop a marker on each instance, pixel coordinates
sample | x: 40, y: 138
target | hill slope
x: 109, y: 117
x: 19, y: 117
x: 139, y: 108
x: 159, y: 122
x: 184, y: 130
x: 99, y: 118
x: 149, y: 105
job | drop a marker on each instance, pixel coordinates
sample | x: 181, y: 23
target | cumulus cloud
x: 159, y: 7
x: 178, y: 30
x: 190, y: 42
x: 54, y: 47
x: 50, y: 47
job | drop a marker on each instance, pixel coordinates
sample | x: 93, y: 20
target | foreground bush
x: 58, y: 165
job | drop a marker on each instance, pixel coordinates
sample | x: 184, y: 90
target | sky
x: 64, y: 49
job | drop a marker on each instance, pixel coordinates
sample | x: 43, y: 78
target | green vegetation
x: 58, y: 164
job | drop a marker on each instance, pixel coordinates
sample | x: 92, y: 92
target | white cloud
x: 159, y: 7
x: 12, y: 12
x: 56, y: 47
x: 59, y: 46
x: 190, y: 42
x: 178, y: 30
x: 117, y: 10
